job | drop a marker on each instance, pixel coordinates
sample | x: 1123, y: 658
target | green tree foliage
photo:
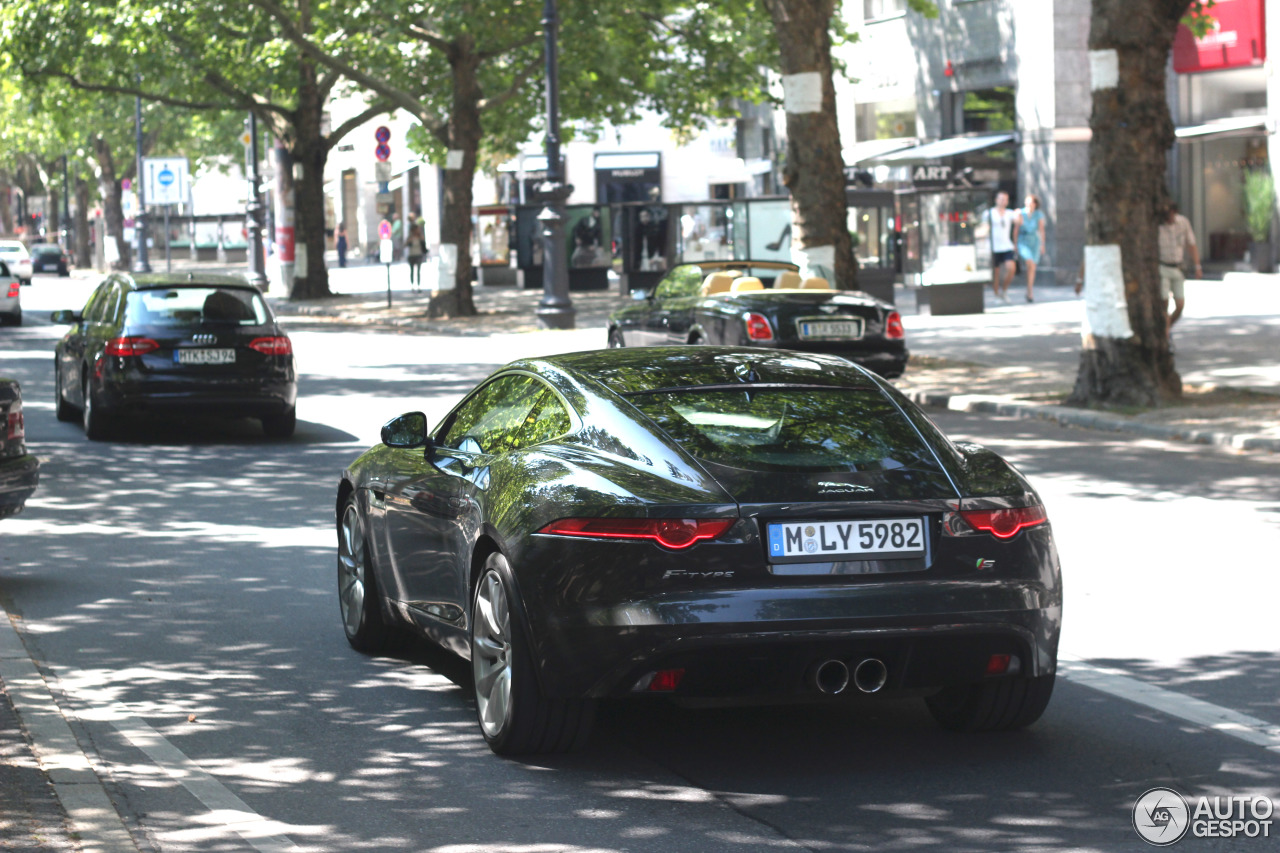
x: 198, y: 55
x: 471, y: 72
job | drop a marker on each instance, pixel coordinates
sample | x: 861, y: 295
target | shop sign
x: 1237, y: 39
x: 931, y: 176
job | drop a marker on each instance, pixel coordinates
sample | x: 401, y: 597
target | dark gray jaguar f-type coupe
x: 701, y: 522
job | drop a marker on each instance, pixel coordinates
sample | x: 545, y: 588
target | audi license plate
x: 830, y: 330
x: 827, y: 540
x: 204, y: 356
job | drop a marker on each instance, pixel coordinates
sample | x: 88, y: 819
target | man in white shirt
x: 1003, y: 224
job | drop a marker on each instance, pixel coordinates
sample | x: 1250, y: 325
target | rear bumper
x: 226, y: 398
x: 18, y: 479
x: 756, y: 635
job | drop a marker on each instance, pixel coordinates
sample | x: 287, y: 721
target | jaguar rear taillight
x: 758, y: 328
x: 279, y: 345
x: 1001, y: 523
x: 128, y: 346
x: 674, y: 533
x: 893, y: 327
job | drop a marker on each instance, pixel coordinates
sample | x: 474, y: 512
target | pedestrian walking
x: 342, y: 244
x: 417, y: 249
x: 1002, y: 232
x: 1175, y: 237
x: 1031, y: 240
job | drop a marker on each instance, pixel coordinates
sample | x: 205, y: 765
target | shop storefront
x: 1222, y: 128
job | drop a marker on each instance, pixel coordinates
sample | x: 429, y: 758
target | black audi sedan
x: 762, y: 304
x: 701, y: 523
x: 19, y: 470
x: 48, y: 256
x: 174, y: 344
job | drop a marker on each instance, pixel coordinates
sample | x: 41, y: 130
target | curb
x: 987, y: 405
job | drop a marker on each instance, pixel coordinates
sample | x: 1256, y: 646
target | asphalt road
x: 176, y: 590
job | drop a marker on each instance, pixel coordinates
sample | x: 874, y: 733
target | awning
x: 869, y: 149
x: 1239, y: 126
x: 944, y: 148
x: 735, y: 170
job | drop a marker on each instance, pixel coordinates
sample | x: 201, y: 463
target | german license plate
x: 204, y: 356
x: 831, y: 330
x: 827, y: 540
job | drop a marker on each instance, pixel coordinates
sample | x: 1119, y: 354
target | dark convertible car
x: 762, y: 304
x: 696, y: 523
x: 174, y: 344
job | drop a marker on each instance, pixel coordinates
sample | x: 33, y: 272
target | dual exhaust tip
x: 833, y: 676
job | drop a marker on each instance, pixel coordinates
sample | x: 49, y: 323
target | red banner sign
x: 1236, y: 40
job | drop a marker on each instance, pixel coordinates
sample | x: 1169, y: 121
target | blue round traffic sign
x: 166, y: 176
x: 382, y: 134
x: 383, y: 151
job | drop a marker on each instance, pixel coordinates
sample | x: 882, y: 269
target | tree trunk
x: 6, y: 212
x: 52, y: 226
x: 1125, y: 357
x: 814, y: 169
x: 83, y: 259
x: 462, y: 138
x: 112, y: 207
x: 306, y: 146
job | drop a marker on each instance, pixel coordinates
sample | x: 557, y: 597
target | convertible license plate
x: 204, y: 356
x: 826, y: 540
x: 831, y: 330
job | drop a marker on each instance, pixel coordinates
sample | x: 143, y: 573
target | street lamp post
x: 140, y: 263
x: 555, y: 311
x: 253, y: 211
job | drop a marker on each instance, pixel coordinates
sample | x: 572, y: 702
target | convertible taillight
x: 272, y: 346
x: 893, y: 327
x: 130, y: 346
x: 1000, y: 523
x: 674, y: 533
x: 758, y: 328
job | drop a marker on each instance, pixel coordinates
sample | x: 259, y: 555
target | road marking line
x: 225, y: 807
x: 90, y: 812
x: 1117, y: 682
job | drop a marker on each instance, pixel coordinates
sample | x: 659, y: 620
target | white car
x: 18, y: 258
x: 10, y: 296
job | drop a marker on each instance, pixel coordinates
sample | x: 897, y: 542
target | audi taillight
x: 13, y: 288
x: 16, y: 428
x: 674, y: 533
x: 893, y: 327
x: 758, y: 328
x: 130, y: 346
x: 272, y: 346
x: 1000, y: 523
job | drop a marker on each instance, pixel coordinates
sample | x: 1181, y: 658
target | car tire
x: 63, y: 410
x: 97, y: 424
x: 1002, y: 704
x: 359, y: 602
x: 515, y: 718
x: 615, y: 339
x: 281, y: 426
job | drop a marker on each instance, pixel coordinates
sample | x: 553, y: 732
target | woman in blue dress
x: 1031, y: 240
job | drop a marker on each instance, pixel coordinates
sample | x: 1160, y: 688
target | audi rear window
x: 789, y: 429
x: 195, y: 306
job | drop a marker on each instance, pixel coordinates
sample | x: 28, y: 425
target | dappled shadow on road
x: 1248, y: 682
